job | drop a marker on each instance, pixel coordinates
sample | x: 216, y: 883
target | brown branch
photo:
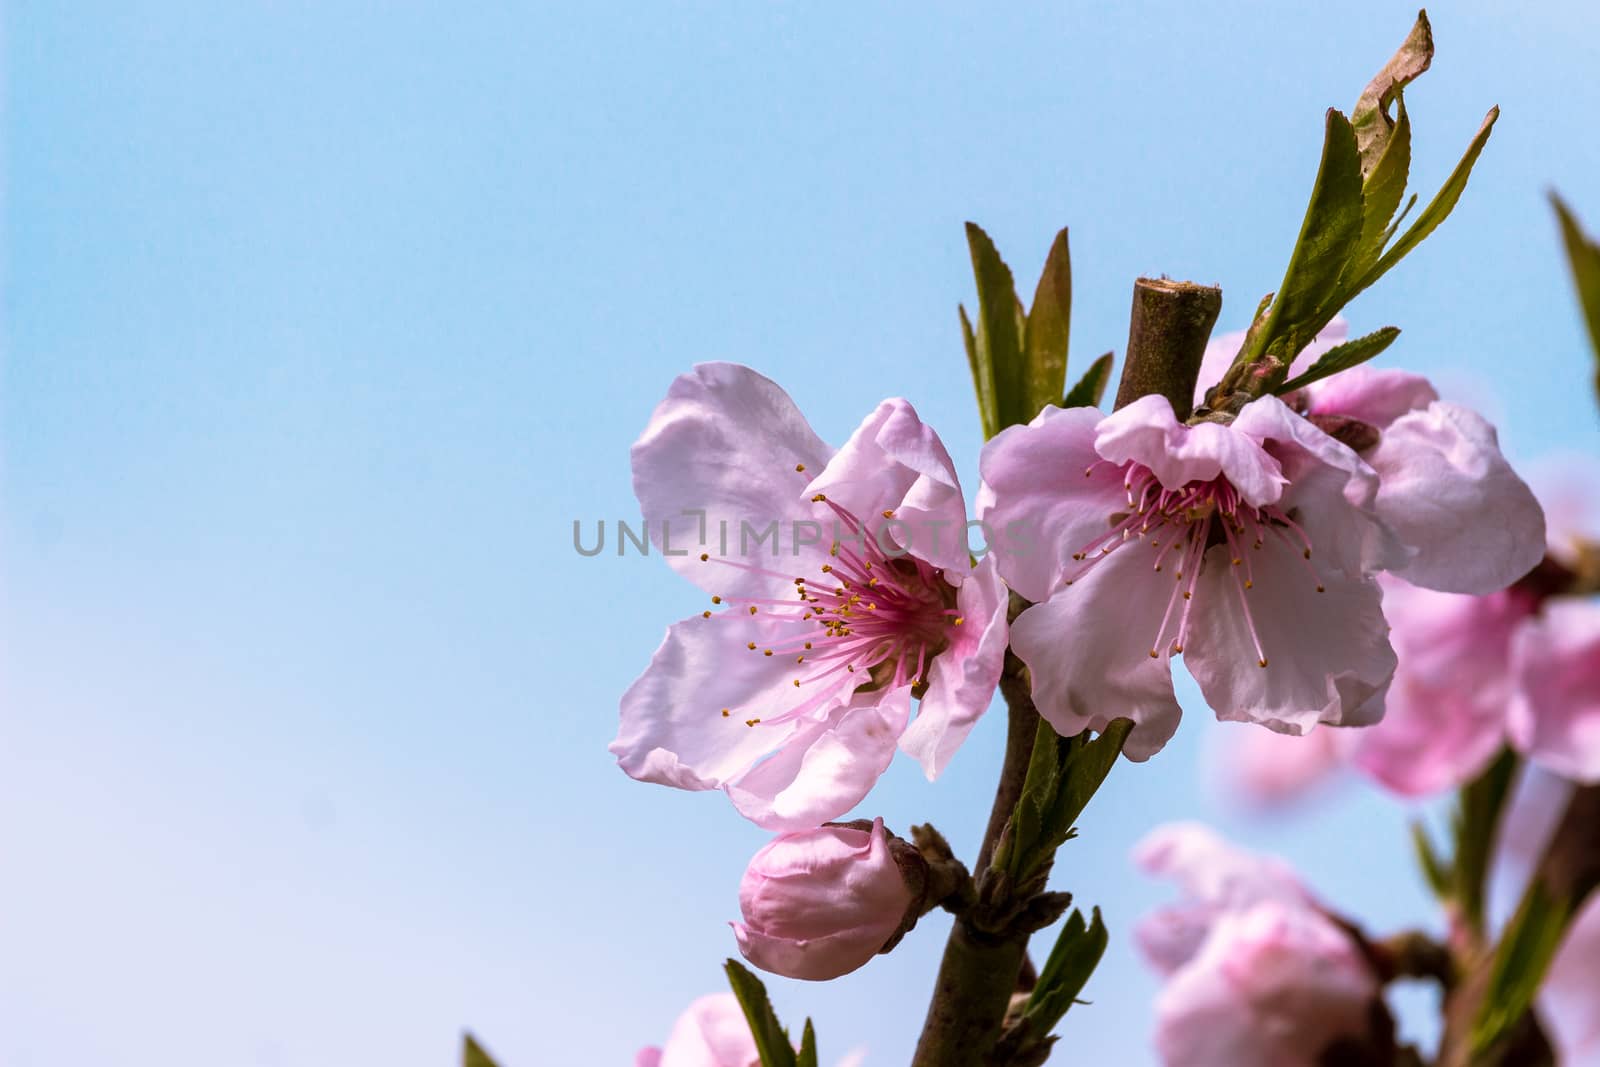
x: 1167, y: 334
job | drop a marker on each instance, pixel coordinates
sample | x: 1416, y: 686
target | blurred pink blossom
x: 712, y: 1032
x: 1257, y: 975
x: 820, y: 903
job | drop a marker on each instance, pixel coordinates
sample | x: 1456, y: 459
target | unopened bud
x: 820, y: 903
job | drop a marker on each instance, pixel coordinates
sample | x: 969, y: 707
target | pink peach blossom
x: 1246, y: 547
x: 712, y: 1032
x: 820, y: 903
x: 793, y: 696
x: 1257, y: 975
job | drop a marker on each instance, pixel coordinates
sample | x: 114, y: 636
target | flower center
x: 870, y: 617
x: 1181, y: 525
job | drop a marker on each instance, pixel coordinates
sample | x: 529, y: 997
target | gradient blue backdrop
x: 324, y: 321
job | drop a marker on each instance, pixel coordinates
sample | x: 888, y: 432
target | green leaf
x: 1584, y: 255
x: 1438, y: 209
x: 982, y: 376
x: 1048, y: 324
x: 1481, y: 801
x: 1434, y: 870
x: 1077, y: 952
x: 999, y: 331
x: 1384, y: 188
x: 1342, y: 357
x: 772, y: 1040
x: 1521, y: 960
x: 1370, y: 119
x: 1091, y: 388
x: 1085, y: 771
x: 473, y: 1054
x: 1328, y: 239
x: 808, y: 1047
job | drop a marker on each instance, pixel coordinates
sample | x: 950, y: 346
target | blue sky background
x: 323, y: 321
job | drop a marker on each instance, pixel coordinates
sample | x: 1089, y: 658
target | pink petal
x: 1555, y: 709
x: 1089, y: 651
x: 1210, y: 869
x: 963, y: 677
x: 896, y: 462
x: 1327, y: 653
x: 1266, y: 769
x: 727, y: 440
x: 825, y: 768
x: 1446, y: 711
x: 1374, y: 396
x: 1332, y: 491
x: 1273, y: 986
x: 1037, y: 499
x: 1449, y: 493
x: 648, y: 1057
x: 1148, y: 433
x: 673, y: 730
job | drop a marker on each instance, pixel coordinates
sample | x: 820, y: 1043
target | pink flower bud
x: 819, y: 903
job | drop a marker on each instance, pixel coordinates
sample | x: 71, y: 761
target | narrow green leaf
x: 1077, y: 952
x: 1091, y: 388
x: 1481, y: 801
x: 1049, y: 322
x: 982, y: 376
x: 772, y: 1040
x: 1434, y: 870
x: 1381, y: 194
x: 1342, y: 357
x: 1328, y: 238
x: 1438, y: 209
x: 808, y: 1047
x: 1085, y: 771
x: 999, y: 330
x: 473, y: 1054
x: 1584, y: 255
x: 1523, y: 956
x: 1370, y: 119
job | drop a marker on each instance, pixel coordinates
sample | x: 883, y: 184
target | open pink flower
x: 1257, y: 975
x: 1246, y: 547
x: 820, y: 903
x: 860, y: 597
x: 1469, y: 523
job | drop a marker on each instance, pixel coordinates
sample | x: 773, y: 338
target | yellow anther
x: 724, y: 713
x: 1262, y: 661
x: 800, y: 466
x: 819, y: 498
x: 959, y: 620
x: 716, y: 600
x: 827, y: 568
x: 704, y: 556
x: 768, y: 652
x: 751, y: 646
x: 808, y: 644
x: 705, y: 614
x: 888, y: 514
x: 752, y: 609
x: 797, y: 683
x: 751, y: 722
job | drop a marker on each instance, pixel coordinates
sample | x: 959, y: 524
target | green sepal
x: 1342, y: 357
x: 1435, y: 870
x: 1091, y: 388
x: 772, y: 1040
